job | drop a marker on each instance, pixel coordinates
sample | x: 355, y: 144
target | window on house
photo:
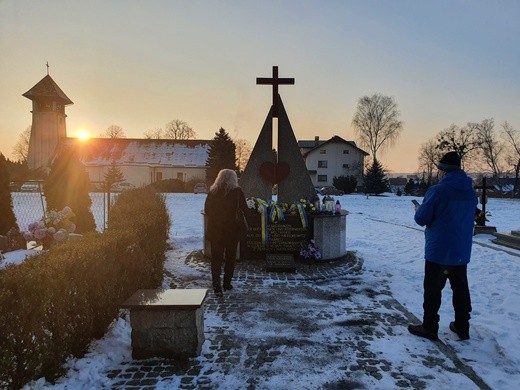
x: 345, y: 166
x: 322, y: 178
x: 158, y: 176
x: 322, y: 164
x: 180, y: 176
x: 346, y: 151
x: 323, y: 151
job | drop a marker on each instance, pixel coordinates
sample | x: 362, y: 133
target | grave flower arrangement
x: 311, y: 252
x: 52, y: 228
x: 271, y: 207
x: 275, y: 212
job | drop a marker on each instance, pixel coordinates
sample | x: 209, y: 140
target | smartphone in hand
x: 416, y: 204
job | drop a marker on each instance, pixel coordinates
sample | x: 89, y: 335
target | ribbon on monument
x: 303, y: 214
x: 263, y: 220
x: 276, y: 213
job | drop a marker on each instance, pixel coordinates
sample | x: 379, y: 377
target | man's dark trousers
x: 435, y: 276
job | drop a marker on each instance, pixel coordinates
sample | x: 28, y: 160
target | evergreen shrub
x: 53, y: 305
x: 68, y: 184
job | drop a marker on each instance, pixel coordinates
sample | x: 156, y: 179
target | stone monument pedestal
x: 330, y: 234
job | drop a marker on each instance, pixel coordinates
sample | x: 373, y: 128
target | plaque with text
x: 283, y: 262
x: 284, y: 237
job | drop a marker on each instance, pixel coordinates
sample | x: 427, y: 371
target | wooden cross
x: 275, y: 81
x: 483, y: 198
x: 47, y: 65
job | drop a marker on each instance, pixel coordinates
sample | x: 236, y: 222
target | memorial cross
x: 275, y: 81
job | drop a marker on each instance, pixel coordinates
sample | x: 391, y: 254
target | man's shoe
x: 462, y: 335
x: 228, y: 287
x: 419, y: 330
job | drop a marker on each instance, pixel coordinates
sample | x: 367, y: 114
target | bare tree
x: 463, y: 140
x: 377, y: 122
x: 491, y: 148
x: 512, y: 138
x: 429, y: 156
x: 177, y: 129
x: 113, y: 131
x: 156, y: 133
x: 243, y: 152
x: 21, y: 148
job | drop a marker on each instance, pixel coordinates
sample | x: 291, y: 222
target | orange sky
x: 141, y: 64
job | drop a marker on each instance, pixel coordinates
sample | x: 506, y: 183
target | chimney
x: 316, y: 140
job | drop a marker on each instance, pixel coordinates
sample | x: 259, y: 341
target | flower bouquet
x: 311, y: 252
x: 52, y: 228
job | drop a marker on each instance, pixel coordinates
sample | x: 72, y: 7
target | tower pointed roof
x: 47, y: 88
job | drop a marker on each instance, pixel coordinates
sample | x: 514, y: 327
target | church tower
x: 48, y: 121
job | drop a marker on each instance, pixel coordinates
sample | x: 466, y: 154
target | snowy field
x: 382, y: 232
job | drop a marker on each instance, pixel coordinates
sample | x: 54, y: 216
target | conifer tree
x: 113, y: 175
x: 375, y: 179
x: 221, y: 155
x: 7, y: 217
x: 68, y: 184
x: 345, y: 183
x: 410, y: 188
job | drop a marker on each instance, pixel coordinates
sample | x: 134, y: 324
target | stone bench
x: 166, y: 323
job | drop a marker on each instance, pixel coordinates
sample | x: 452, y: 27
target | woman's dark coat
x: 220, y: 209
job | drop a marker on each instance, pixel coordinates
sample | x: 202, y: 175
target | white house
x: 143, y: 161
x: 334, y: 157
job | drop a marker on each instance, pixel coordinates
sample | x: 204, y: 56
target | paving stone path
x: 329, y: 323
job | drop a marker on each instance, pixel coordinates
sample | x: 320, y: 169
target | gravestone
x: 511, y: 240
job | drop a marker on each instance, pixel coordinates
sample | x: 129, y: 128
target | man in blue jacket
x: 448, y: 212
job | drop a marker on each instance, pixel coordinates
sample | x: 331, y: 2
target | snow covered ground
x: 382, y: 232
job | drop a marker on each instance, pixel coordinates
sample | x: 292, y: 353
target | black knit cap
x: 449, y: 162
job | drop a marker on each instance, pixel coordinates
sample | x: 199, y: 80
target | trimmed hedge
x: 54, y: 304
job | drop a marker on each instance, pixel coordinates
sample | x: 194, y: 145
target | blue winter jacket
x: 448, y: 212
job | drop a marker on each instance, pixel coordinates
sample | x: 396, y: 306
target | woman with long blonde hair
x: 224, y: 198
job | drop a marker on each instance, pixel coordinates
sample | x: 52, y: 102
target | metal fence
x: 29, y: 204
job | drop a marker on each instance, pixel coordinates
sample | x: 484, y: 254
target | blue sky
x: 141, y: 64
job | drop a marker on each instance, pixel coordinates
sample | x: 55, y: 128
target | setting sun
x: 83, y: 135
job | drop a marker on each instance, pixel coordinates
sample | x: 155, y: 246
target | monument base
x: 287, y: 238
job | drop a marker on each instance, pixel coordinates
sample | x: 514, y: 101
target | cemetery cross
x: 483, y: 198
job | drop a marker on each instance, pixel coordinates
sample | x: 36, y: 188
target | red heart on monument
x: 274, y: 173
